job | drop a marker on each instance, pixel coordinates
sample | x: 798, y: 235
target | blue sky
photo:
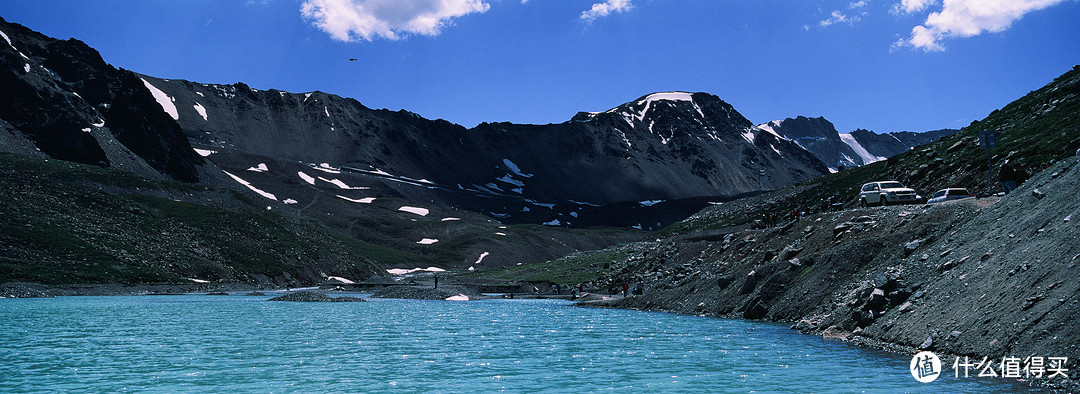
x: 884, y: 65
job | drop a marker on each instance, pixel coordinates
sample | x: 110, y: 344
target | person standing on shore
x: 1011, y: 176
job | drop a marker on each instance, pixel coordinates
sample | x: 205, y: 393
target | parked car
x: 952, y: 193
x: 887, y: 192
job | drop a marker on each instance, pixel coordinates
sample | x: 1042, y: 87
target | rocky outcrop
x: 444, y: 292
x: 63, y: 99
x: 314, y: 296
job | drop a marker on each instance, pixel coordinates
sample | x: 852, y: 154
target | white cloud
x: 604, y: 9
x: 858, y: 4
x: 839, y: 17
x: 356, y: 20
x: 911, y: 6
x: 967, y: 18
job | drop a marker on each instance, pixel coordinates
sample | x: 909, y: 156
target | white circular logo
x: 925, y: 367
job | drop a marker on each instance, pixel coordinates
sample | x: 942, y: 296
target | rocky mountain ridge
x: 860, y: 147
x: 664, y: 146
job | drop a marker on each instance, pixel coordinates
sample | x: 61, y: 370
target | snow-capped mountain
x: 840, y: 150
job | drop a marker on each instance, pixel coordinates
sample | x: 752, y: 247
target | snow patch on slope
x: 864, y: 154
x: 515, y: 169
x: 666, y: 96
x: 163, y: 99
x: 249, y: 186
x: 365, y: 200
x: 201, y: 110
x: 325, y: 167
x: 403, y: 271
x: 339, y: 183
x: 749, y: 136
x: 415, y: 210
x: 307, y: 178
x: 769, y: 127
x: 481, y: 258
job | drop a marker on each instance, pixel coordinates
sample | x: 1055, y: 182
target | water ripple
x: 235, y: 343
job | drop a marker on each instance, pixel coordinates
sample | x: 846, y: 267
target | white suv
x: 887, y: 192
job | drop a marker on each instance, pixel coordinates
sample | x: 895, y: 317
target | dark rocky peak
x: 666, y: 106
x: 672, y: 116
x: 801, y: 127
x: 912, y: 139
x: 62, y: 96
x: 141, y: 124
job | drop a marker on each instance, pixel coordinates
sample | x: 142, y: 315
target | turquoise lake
x: 200, y: 343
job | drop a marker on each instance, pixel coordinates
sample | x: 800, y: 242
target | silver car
x: 952, y: 193
x: 887, y: 192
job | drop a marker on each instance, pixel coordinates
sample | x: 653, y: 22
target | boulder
x: 790, y: 252
x: 750, y: 283
x: 928, y: 343
x: 834, y: 332
x: 755, y: 310
x: 948, y: 265
x: 911, y: 247
x: 877, y: 299
x: 794, y: 263
x: 880, y: 280
x: 862, y: 318
x: 842, y: 227
x: 898, y: 297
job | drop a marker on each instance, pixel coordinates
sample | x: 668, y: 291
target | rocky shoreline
x: 988, y: 278
x: 32, y: 290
